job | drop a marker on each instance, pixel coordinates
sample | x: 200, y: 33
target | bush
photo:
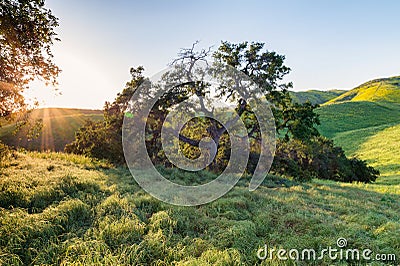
x: 362, y: 172
x: 319, y: 158
x: 98, y: 140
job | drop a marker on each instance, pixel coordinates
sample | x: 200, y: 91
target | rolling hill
x: 315, y: 96
x: 59, y: 127
x: 377, y: 90
x: 368, y: 130
x: 349, y: 116
x: 365, y: 122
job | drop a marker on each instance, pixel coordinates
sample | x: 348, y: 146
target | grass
x: 368, y: 130
x: 348, y: 116
x: 59, y: 127
x: 383, y: 150
x: 70, y: 210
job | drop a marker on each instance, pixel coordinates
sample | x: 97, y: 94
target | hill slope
x: 315, y: 96
x: 385, y: 89
x: 59, y: 127
x: 368, y: 130
x: 347, y: 116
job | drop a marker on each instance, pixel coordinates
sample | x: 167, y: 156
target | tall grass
x: 78, y: 212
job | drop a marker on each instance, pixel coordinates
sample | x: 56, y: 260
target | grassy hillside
x: 315, y: 96
x: 66, y: 209
x: 383, y: 150
x: 385, y: 89
x: 347, y: 116
x: 368, y: 130
x: 59, y: 127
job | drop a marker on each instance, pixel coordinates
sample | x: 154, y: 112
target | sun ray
x: 47, y: 139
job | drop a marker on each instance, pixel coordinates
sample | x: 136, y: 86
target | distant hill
x: 377, y: 90
x: 59, y: 127
x: 315, y: 96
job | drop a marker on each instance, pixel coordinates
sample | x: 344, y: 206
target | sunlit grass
x: 383, y: 149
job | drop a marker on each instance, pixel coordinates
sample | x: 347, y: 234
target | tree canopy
x: 26, y: 37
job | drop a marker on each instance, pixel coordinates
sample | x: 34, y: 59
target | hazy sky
x: 328, y: 44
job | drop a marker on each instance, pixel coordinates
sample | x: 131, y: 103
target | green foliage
x: 97, y: 140
x: 319, y: 158
x: 299, y: 121
x: 26, y: 36
x: 95, y: 216
x: 267, y: 69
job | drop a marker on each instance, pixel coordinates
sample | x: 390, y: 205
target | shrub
x: 319, y: 158
x: 98, y: 140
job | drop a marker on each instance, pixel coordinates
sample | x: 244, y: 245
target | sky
x: 328, y: 44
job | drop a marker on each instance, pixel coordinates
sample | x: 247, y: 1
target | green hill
x: 365, y: 122
x: 315, y: 96
x: 368, y: 130
x: 360, y: 119
x: 348, y: 116
x: 384, y: 89
x: 59, y: 127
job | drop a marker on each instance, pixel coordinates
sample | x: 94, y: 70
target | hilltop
x: 365, y: 123
x: 377, y: 90
x: 59, y: 127
x: 315, y: 96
